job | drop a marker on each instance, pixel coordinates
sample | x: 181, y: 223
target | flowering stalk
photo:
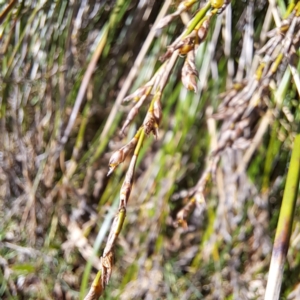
x: 185, y: 45
x: 107, y: 258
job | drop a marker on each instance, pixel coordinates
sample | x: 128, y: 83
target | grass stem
x: 284, y: 226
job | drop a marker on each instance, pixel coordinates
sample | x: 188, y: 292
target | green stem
x: 140, y: 143
x: 284, y: 226
x: 199, y: 16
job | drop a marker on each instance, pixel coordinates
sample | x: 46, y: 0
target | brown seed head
x: 189, y: 72
x: 187, y: 46
x: 202, y: 32
x: 184, y: 46
x: 149, y: 122
x: 154, y: 116
x: 117, y: 158
x: 141, y: 92
x: 107, y: 264
x: 157, y: 110
x: 120, y: 155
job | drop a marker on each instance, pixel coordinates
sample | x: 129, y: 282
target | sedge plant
x: 195, y: 177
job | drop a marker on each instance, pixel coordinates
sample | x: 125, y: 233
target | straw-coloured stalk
x: 284, y: 226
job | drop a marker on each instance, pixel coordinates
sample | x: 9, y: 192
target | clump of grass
x: 222, y: 106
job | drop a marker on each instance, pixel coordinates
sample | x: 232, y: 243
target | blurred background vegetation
x: 63, y: 64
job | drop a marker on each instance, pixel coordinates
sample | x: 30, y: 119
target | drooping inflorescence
x: 185, y: 45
